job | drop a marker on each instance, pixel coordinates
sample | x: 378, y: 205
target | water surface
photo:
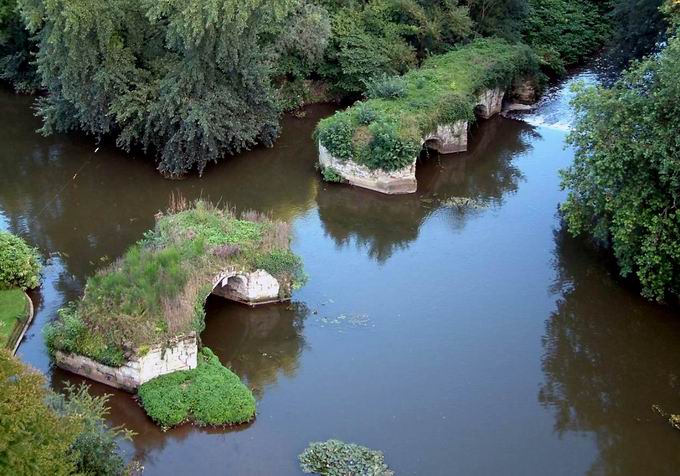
x: 456, y: 329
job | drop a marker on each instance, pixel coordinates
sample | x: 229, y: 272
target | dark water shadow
x: 608, y: 357
x: 464, y: 185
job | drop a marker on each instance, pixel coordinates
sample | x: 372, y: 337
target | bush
x: 365, y: 113
x: 388, y: 87
x: 208, y: 395
x: 624, y: 185
x: 96, y: 446
x: 329, y: 174
x: 336, y: 458
x: 564, y: 31
x: 19, y: 263
x: 283, y: 265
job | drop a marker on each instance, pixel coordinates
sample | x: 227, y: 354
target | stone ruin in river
x: 446, y: 139
x: 181, y: 353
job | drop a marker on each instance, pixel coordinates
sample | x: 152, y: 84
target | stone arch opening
x: 252, y: 288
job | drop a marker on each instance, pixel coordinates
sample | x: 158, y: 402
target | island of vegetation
x: 337, y: 458
x: 375, y: 143
x: 141, y: 316
x: 19, y: 270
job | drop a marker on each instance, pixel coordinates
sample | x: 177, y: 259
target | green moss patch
x: 13, y: 309
x: 385, y: 131
x: 210, y: 394
x: 157, y: 289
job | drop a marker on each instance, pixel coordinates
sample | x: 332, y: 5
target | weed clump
x: 336, y: 458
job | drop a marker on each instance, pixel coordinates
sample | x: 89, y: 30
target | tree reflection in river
x: 465, y: 184
x: 604, y: 370
x: 259, y: 344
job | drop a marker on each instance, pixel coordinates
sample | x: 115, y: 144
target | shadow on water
x: 463, y: 184
x: 259, y: 344
x: 608, y: 357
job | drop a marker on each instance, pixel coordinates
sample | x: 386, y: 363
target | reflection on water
x: 467, y: 303
x: 608, y: 358
x: 483, y: 176
x: 259, y: 344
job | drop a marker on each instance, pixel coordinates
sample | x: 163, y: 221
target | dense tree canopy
x: 625, y: 181
x: 187, y: 81
x: 192, y: 81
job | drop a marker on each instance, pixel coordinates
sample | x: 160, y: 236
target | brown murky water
x: 458, y: 336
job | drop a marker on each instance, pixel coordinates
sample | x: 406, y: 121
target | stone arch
x: 448, y: 138
x: 253, y: 288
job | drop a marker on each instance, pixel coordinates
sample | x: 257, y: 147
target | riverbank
x: 16, y: 315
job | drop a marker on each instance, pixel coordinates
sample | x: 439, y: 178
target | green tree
x: 188, y: 81
x: 45, y: 433
x: 19, y: 263
x: 33, y: 438
x: 564, y: 32
x: 624, y: 185
x: 499, y: 17
x: 16, y: 50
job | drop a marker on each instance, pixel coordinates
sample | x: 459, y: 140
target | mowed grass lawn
x: 12, y: 308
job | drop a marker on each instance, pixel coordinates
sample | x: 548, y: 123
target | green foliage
x: 301, y: 41
x: 388, y: 87
x: 329, y: 174
x: 564, y: 32
x: 283, y: 265
x: 442, y: 91
x: 186, y: 81
x: 624, y: 185
x: 336, y: 458
x: 19, y: 264
x: 13, y: 310
x: 33, y: 438
x: 156, y: 291
x: 16, y: 49
x: 365, y: 113
x: 386, y: 37
x: 208, y: 395
x: 96, y: 446
x: 45, y: 433
x: 502, y: 18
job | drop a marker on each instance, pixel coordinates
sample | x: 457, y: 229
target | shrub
x: 564, y: 31
x: 336, y: 458
x: 45, y: 433
x: 19, y: 263
x: 329, y: 174
x: 33, y: 438
x: 96, y: 445
x: 624, y: 186
x: 388, y: 87
x: 365, y: 113
x: 283, y: 264
x: 208, y: 395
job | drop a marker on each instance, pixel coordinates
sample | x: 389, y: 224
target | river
x: 457, y: 329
